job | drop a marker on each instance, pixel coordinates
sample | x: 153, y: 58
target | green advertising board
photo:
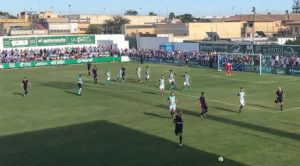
x: 57, y: 62
x: 52, y: 41
x: 19, y: 42
x: 48, y: 41
x: 81, y: 39
x: 285, y: 50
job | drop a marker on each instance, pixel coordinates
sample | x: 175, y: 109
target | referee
x: 179, y: 126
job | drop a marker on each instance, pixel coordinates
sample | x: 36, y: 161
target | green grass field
x: 128, y: 124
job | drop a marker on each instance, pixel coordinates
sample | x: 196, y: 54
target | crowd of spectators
x: 285, y: 61
x: 29, y: 55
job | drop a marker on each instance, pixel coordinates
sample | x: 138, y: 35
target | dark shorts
x: 25, y: 88
x: 178, y: 129
x: 79, y: 85
x: 204, y: 107
x: 279, y: 99
x: 123, y: 74
x: 95, y: 76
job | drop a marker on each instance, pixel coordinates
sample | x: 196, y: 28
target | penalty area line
x: 216, y: 101
x: 211, y: 100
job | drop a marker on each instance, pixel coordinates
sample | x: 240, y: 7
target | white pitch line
x: 214, y: 101
x: 112, y: 90
x: 292, y: 109
x: 233, y: 104
x: 211, y: 100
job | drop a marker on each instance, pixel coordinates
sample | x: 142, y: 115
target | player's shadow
x: 261, y: 106
x: 156, y: 115
x: 179, y: 109
x: 19, y: 94
x: 246, y: 125
x: 149, y: 92
x: 99, y: 143
x: 131, y: 80
x: 224, y: 109
x: 72, y: 93
x: 60, y: 85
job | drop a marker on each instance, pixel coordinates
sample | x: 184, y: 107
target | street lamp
x: 254, y: 13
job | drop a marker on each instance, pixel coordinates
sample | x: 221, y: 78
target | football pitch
x: 129, y: 124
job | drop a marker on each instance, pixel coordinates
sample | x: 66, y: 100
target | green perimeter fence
x: 214, y: 65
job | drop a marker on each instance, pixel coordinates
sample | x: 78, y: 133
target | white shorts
x: 108, y: 79
x: 172, y: 108
x: 186, y: 84
x: 139, y: 76
x: 162, y: 87
x: 171, y: 81
x: 242, y: 102
x: 147, y: 77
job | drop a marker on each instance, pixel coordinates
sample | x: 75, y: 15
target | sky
x: 161, y: 7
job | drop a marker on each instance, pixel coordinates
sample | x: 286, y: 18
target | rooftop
x: 264, y: 17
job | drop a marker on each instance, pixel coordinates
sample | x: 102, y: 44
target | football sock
x: 281, y: 107
x: 241, y: 108
x: 189, y: 87
x: 106, y: 83
x: 182, y: 88
x: 79, y: 91
x: 180, y: 139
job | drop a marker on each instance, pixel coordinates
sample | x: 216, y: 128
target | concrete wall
x: 133, y: 29
x: 117, y: 39
x: 283, y: 40
x: 154, y: 42
x: 175, y: 29
x: 186, y: 46
x: 100, y: 19
x: 71, y: 27
x: 197, y: 31
x: 28, y: 32
x: 6, y: 26
x: 172, y: 38
x: 151, y: 42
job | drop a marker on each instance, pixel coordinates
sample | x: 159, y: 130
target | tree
x: 152, y: 14
x: 171, y: 16
x: 114, y: 25
x: 296, y: 7
x: 291, y: 42
x: 203, y: 20
x: 93, y: 29
x: 7, y: 15
x: 131, y: 12
x: 186, y: 18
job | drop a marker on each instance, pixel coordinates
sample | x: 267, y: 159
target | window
x: 296, y: 29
